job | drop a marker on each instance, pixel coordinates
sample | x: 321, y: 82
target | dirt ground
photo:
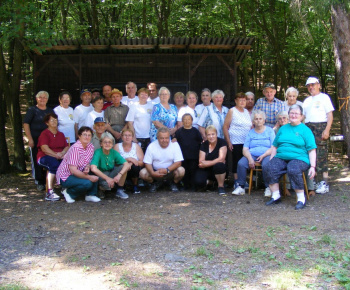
x: 170, y: 240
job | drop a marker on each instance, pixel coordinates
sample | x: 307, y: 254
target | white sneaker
x: 239, y: 191
x: 267, y: 192
x: 92, y: 198
x: 322, y: 188
x: 67, y: 196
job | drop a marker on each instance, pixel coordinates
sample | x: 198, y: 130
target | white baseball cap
x: 312, y: 80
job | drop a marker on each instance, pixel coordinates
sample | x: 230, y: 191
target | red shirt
x: 106, y: 105
x: 56, y: 142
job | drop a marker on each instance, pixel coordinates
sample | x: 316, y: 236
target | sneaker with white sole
x: 67, y: 196
x: 121, y: 194
x: 92, y: 198
x: 51, y: 196
x: 267, y: 192
x: 239, y: 191
x: 322, y: 188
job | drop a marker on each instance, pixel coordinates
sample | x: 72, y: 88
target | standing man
x: 106, y: 92
x: 80, y: 112
x: 115, y: 115
x: 205, y: 98
x: 270, y: 105
x: 163, y: 162
x: 95, y: 93
x: 250, y: 97
x: 318, y: 111
x: 153, y: 93
x: 131, y: 97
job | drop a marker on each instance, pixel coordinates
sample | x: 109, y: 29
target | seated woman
x: 256, y: 147
x: 110, y: 167
x: 133, y: 154
x: 190, y: 141
x: 212, y: 156
x: 73, y: 172
x: 52, y: 146
x: 293, y: 152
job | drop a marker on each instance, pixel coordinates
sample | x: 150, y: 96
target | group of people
x: 108, y: 139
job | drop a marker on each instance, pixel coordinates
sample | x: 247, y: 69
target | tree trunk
x: 341, y: 42
x: 15, y: 114
x: 4, y: 155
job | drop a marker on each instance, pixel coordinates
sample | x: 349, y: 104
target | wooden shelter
x: 181, y: 64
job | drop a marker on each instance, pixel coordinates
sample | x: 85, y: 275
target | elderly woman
x: 282, y: 119
x: 291, y: 96
x: 190, y: 141
x: 65, y: 116
x: 163, y: 115
x: 133, y: 154
x: 52, y: 146
x: 191, y: 100
x: 179, y: 100
x: 214, y: 114
x: 110, y: 167
x: 256, y: 148
x: 293, y: 152
x: 33, y: 126
x: 236, y: 127
x: 212, y: 156
x: 73, y: 172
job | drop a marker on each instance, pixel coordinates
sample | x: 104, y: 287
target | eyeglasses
x: 53, y: 120
x: 294, y: 114
x: 86, y: 135
x: 107, y: 142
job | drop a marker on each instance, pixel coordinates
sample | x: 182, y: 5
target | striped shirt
x: 271, y: 110
x: 78, y: 156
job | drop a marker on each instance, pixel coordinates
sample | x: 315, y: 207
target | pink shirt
x: 78, y: 156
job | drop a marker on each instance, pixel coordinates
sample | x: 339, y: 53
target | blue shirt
x: 258, y: 143
x: 271, y: 110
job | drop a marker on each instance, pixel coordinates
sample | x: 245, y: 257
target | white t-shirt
x: 90, y: 118
x: 128, y: 102
x: 80, y: 113
x: 162, y: 157
x: 141, y: 116
x: 155, y: 101
x: 66, y: 122
x: 188, y: 110
x: 317, y: 107
x: 240, y: 126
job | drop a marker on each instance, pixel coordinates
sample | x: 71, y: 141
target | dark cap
x: 85, y: 91
x: 269, y: 85
x: 99, y: 120
x: 95, y: 90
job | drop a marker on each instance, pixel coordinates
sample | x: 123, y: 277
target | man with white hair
x: 318, y: 111
x: 131, y: 97
x: 250, y: 101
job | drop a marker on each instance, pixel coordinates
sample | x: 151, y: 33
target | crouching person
x: 110, y: 167
x: 163, y: 162
x: 73, y: 172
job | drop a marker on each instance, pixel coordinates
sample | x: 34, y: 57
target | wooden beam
x: 61, y: 47
x: 126, y: 46
x: 231, y: 70
x: 172, y: 46
x: 193, y: 71
x: 210, y: 46
x: 245, y: 47
x: 93, y: 47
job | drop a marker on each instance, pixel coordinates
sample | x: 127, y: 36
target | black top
x: 34, y: 118
x: 215, y: 153
x: 190, y: 141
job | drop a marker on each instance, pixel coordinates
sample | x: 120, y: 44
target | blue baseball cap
x: 99, y: 120
x: 85, y: 91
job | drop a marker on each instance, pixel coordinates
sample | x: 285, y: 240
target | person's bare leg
x: 179, y: 174
x: 220, y: 179
x: 121, y: 181
x: 50, y: 180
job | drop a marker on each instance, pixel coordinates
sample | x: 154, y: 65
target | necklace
x: 107, y: 159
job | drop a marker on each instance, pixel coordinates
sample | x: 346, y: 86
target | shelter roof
x: 171, y: 45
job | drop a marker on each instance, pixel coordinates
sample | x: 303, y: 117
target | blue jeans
x: 79, y: 186
x: 243, y: 166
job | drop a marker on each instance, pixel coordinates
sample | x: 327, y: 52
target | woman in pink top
x: 73, y: 173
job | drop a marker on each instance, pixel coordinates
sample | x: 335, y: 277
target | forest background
x: 292, y: 40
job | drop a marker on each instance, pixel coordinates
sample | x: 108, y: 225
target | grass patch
x: 13, y: 287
